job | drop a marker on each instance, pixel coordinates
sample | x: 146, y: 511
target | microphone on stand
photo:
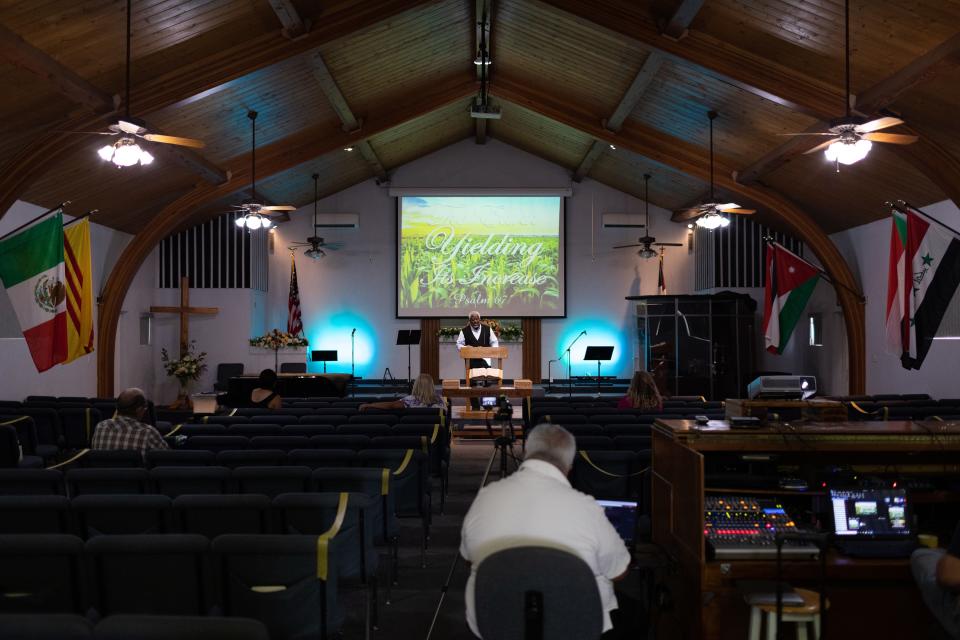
x: 584, y: 332
x: 354, y: 331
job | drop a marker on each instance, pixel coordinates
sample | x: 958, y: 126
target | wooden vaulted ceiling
x: 767, y: 66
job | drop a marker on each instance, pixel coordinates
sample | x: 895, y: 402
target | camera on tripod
x: 504, y: 408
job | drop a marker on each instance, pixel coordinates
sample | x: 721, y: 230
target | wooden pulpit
x: 494, y: 353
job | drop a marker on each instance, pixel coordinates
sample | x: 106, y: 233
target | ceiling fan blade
x: 687, y: 214
x: 333, y: 246
x: 627, y: 246
x: 278, y: 207
x: 825, y: 133
x: 183, y: 142
x: 819, y: 147
x: 892, y: 138
x: 879, y: 123
x: 667, y: 244
x: 727, y: 206
x: 92, y: 133
x: 743, y: 212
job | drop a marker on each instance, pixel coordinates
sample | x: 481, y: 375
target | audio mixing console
x: 744, y: 528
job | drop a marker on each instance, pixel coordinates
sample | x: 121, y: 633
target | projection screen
x: 499, y: 255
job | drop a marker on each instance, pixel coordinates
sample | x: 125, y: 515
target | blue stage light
x: 332, y: 333
x: 600, y: 333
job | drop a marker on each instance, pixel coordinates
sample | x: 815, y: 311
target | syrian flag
x: 894, y: 339
x: 294, y: 322
x: 31, y: 268
x: 932, y: 269
x: 661, y: 282
x: 790, y: 283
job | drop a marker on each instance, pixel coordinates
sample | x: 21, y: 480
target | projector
x: 782, y: 387
x: 486, y: 113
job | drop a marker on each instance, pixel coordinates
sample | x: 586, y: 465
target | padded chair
x: 226, y: 420
x: 586, y: 430
x: 541, y: 588
x: 308, y: 430
x: 41, y: 573
x: 341, y: 441
x: 365, y: 429
x: 216, y: 443
x: 150, y: 574
x: 106, y: 481
x: 284, y: 443
x: 9, y: 447
x: 177, y: 481
x: 276, y: 419
x: 271, y: 481
x: 50, y: 626
x: 293, y: 367
x: 608, y: 474
x: 97, y: 515
x: 632, y: 443
x: 78, y: 426
x: 179, y: 458
x: 203, y: 429
x: 214, y: 515
x: 594, y: 442
x: 127, y: 627
x: 253, y: 430
x: 322, y: 458
x: 49, y: 431
x: 34, y: 514
x: 329, y: 415
x: 112, y: 459
x: 278, y: 580
x: 604, y: 419
x: 374, y: 419
x: 251, y: 458
x: 225, y: 371
x: 26, y: 429
x: 34, y: 482
x: 614, y: 430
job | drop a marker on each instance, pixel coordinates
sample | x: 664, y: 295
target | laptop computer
x: 873, y: 523
x: 622, y: 514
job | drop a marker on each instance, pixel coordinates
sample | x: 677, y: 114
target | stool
x: 809, y: 611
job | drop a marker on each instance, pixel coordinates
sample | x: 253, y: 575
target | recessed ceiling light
x: 348, y: 148
x: 613, y: 147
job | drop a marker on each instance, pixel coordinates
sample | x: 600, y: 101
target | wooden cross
x: 185, y: 310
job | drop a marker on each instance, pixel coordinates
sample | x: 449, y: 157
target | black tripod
x: 503, y: 444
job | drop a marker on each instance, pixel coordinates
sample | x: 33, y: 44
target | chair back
x: 225, y: 371
x: 124, y: 627
x: 293, y: 367
x: 537, y: 592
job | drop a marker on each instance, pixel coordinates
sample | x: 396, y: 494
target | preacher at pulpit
x: 476, y: 334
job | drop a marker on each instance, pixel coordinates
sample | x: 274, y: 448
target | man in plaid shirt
x: 125, y: 430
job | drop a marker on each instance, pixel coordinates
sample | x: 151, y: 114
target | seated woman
x: 642, y: 394
x: 264, y: 395
x: 424, y: 394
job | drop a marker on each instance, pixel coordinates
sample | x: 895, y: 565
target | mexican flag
x: 932, y: 269
x: 31, y: 268
x: 895, y: 292
x: 790, y: 283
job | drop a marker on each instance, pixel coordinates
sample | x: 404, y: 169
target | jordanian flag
x: 894, y: 338
x: 790, y: 283
x: 31, y: 268
x: 932, y: 270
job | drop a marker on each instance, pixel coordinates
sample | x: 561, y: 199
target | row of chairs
x: 289, y: 583
x: 612, y: 474
x: 65, y: 626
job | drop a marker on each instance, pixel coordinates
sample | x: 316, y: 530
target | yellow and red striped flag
x: 79, y: 276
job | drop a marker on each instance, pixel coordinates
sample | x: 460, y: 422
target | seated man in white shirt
x: 537, y: 505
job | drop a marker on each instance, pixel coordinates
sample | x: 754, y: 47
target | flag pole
x: 29, y: 222
x: 903, y: 203
x: 79, y: 218
x: 823, y: 274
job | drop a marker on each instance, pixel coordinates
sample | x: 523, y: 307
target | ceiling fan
x: 125, y: 151
x: 254, y: 212
x: 853, y: 136
x: 647, y: 242
x: 315, y: 243
x: 710, y: 215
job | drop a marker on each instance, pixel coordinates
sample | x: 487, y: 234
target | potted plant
x: 189, y: 367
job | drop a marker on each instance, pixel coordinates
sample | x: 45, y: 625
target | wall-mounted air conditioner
x: 338, y: 221
x: 622, y: 221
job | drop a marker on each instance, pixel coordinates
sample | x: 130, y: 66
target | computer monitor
x: 622, y: 514
x: 870, y: 513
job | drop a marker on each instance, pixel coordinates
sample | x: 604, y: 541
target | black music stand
x: 598, y: 353
x: 324, y: 357
x: 408, y: 337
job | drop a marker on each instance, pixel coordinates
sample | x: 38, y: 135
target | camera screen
x: 488, y: 402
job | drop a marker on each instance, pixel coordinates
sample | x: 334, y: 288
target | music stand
x: 408, y: 337
x: 598, y: 353
x: 323, y: 356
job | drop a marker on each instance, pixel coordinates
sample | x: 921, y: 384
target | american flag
x: 661, y: 283
x: 294, y: 323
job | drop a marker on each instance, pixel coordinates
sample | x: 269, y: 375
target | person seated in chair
x: 423, y: 394
x: 126, y: 430
x: 642, y: 393
x: 937, y: 572
x: 264, y: 395
x: 538, y: 504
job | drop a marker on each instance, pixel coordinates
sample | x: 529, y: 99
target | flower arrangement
x: 189, y: 367
x: 511, y: 332
x: 277, y: 339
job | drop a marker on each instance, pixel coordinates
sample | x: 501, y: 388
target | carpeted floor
x: 415, y: 598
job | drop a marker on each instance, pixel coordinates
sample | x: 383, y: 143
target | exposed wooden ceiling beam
x: 689, y: 158
x: 676, y: 27
x: 184, y: 83
x: 347, y: 118
x: 273, y: 158
x: 483, y: 26
x: 20, y: 53
x: 293, y: 25
x: 193, y: 161
x: 877, y: 97
x: 629, y: 101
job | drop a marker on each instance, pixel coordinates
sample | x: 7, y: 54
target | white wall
x: 79, y: 377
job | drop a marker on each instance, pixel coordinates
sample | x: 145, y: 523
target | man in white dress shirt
x: 537, y: 506
x: 476, y: 334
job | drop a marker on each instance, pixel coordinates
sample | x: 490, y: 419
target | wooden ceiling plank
x: 676, y: 27
x: 689, y: 158
x: 596, y: 150
x: 20, y: 53
x: 293, y: 25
